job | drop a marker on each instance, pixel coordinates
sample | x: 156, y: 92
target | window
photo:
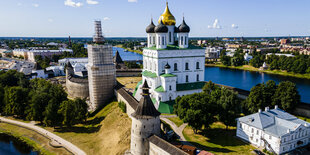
x: 185, y: 40
x: 170, y: 88
x: 186, y: 66
x: 181, y: 40
x: 158, y: 40
x: 163, y: 40
x: 269, y: 137
x: 252, y: 130
x: 197, y: 65
x: 175, y: 67
x: 170, y: 98
x: 153, y: 40
x: 150, y: 40
x: 170, y: 36
x: 186, y: 79
x: 197, y: 78
x: 257, y: 132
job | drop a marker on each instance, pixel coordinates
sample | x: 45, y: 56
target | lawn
x: 108, y: 132
x: 129, y: 82
x: 304, y: 118
x: 218, y: 140
x: 176, y: 120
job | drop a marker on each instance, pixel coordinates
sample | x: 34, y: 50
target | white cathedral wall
x: 155, y: 150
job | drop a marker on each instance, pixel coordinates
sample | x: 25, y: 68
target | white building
x: 172, y: 67
x: 247, y: 57
x: 275, y: 130
x: 31, y: 54
x: 213, y: 52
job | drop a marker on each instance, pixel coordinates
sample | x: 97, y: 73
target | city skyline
x: 129, y: 18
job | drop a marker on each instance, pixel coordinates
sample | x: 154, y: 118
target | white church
x: 172, y: 67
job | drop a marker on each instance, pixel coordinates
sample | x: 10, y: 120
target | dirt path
x: 55, y: 140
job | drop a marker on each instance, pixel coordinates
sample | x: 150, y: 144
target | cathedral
x: 171, y: 66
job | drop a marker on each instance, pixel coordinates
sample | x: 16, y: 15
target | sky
x: 129, y: 18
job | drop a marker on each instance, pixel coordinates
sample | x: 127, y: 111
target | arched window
x: 175, y: 67
x: 158, y: 40
x: 186, y: 66
x: 197, y: 78
x: 170, y: 98
x: 170, y: 36
x: 197, y: 65
x: 186, y: 78
x: 153, y: 40
x: 150, y: 40
x: 170, y: 88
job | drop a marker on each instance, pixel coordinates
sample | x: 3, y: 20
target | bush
x: 122, y: 105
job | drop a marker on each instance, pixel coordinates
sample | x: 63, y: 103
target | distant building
x: 284, y: 41
x: 274, y: 129
x: 213, y: 52
x: 31, y: 54
x: 280, y: 54
x: 247, y: 57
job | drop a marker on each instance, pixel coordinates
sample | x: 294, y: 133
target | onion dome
x: 150, y: 28
x: 184, y: 28
x: 146, y: 108
x: 161, y: 28
x: 167, y: 66
x: 176, y: 30
x: 167, y: 17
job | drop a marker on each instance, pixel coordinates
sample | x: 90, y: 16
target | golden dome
x: 167, y: 17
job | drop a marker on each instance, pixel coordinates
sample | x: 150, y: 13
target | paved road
x: 177, y: 130
x: 54, y: 138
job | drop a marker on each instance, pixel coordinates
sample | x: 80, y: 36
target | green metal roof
x: 174, y: 47
x: 166, y: 107
x: 149, y: 74
x: 136, y: 89
x: 190, y: 86
x: 168, y: 75
x: 160, y: 89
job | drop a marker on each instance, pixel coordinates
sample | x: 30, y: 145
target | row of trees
x: 285, y: 95
x: 216, y: 103
x: 298, y: 64
x: 213, y: 104
x: 38, y: 100
x: 236, y: 60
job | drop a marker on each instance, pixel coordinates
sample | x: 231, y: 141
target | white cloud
x: 92, y: 2
x: 73, y: 4
x: 234, y: 26
x: 106, y: 18
x: 35, y: 5
x: 50, y: 20
x: 133, y: 1
x: 216, y: 25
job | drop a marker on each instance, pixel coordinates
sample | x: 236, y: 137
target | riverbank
x: 251, y: 68
x: 128, y: 49
x: 32, y: 139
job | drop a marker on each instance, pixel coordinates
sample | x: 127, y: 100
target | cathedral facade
x: 171, y: 66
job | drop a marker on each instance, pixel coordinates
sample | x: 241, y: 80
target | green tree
x: 1, y: 98
x: 228, y: 104
x: 68, y: 110
x: 255, y: 100
x: 51, y: 115
x: 15, y: 99
x: 38, y: 103
x: 286, y: 96
x: 81, y: 109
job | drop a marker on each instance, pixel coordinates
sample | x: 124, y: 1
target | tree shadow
x: 213, y: 149
x: 222, y: 137
x: 77, y: 129
x: 94, y: 121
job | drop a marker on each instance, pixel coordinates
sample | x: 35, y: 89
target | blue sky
x: 129, y: 18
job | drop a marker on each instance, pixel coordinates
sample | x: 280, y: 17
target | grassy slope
x: 101, y: 134
x: 176, y: 120
x: 129, y: 82
x: 217, y: 140
x: 251, y: 68
x: 38, y: 142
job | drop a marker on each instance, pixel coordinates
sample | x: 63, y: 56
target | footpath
x: 55, y: 140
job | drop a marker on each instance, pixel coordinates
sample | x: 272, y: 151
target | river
x: 236, y: 78
x: 246, y: 79
x: 11, y: 146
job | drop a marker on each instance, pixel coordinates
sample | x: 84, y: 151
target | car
x: 258, y: 152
